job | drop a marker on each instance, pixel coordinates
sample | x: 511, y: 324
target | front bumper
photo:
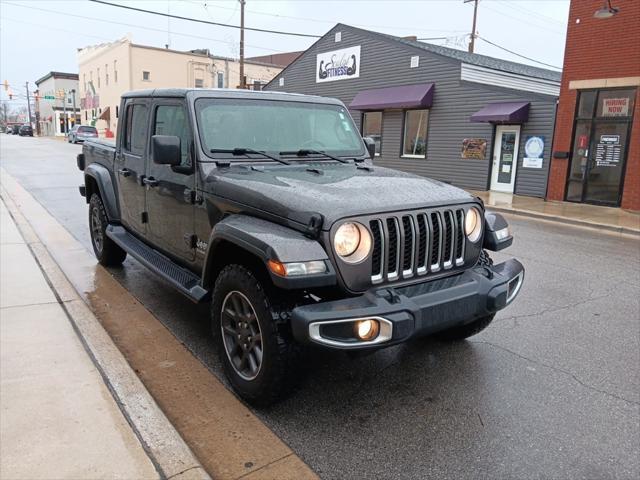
x: 414, y: 310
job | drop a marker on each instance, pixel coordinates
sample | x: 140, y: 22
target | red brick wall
x: 597, y: 49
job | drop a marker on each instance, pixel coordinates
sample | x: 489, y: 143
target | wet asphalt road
x: 550, y: 390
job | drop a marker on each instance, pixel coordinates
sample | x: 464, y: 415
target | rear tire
x: 106, y: 250
x: 251, y: 331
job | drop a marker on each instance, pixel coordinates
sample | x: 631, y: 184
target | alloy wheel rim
x: 241, y: 335
x: 96, y: 229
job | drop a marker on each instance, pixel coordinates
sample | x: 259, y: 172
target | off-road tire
x: 106, y: 250
x: 277, y: 374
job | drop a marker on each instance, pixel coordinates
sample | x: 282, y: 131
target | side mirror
x: 165, y: 150
x: 371, y: 146
x: 497, y: 235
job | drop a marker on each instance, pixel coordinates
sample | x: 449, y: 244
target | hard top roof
x: 228, y: 93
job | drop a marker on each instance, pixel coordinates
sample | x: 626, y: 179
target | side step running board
x: 182, y: 279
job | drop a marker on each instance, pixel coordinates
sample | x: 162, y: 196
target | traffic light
x: 10, y: 96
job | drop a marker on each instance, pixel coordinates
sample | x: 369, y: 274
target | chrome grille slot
x: 448, y: 240
x: 423, y: 244
x: 377, y: 264
x: 436, y: 245
x: 393, y: 250
x: 460, y: 238
x: 408, y: 249
x: 413, y: 244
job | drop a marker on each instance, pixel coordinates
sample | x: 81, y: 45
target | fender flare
x: 106, y: 188
x: 269, y: 241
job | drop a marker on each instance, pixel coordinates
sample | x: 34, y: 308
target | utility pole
x: 473, y: 28
x: 75, y: 115
x: 36, y: 104
x: 242, y: 82
x: 65, y: 125
x: 28, y: 103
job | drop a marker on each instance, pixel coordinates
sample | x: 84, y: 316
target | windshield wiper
x: 245, y: 151
x: 305, y: 151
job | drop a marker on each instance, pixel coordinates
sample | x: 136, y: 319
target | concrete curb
x: 565, y: 220
x: 163, y: 444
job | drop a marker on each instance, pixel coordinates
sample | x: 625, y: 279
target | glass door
x: 600, y: 145
x: 605, y: 166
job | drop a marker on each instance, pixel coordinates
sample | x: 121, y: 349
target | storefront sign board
x: 338, y: 64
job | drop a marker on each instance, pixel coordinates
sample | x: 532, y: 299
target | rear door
x: 130, y: 164
x: 169, y: 190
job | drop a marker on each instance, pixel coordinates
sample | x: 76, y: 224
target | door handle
x: 150, y: 181
x: 125, y: 172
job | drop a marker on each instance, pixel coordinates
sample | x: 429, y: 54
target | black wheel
x: 107, y: 251
x: 465, y: 331
x: 252, y: 335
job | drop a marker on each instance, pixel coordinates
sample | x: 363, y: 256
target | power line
x: 54, y: 28
x: 315, y: 20
x: 263, y: 30
x: 520, y: 19
x: 66, y: 14
x: 516, y: 54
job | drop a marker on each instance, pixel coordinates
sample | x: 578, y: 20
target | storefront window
x: 600, y: 144
x: 372, y: 127
x: 415, y: 134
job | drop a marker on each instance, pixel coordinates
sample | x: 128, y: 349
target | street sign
x: 49, y: 97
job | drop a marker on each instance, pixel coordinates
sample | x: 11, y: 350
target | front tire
x: 252, y: 337
x: 106, y: 250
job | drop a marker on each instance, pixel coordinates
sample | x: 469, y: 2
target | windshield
x: 276, y: 126
x: 87, y: 129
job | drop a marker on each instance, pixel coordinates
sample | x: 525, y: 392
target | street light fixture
x: 607, y: 11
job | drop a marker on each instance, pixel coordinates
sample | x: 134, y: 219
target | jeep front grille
x: 407, y: 245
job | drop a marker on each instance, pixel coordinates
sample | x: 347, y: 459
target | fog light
x: 367, y: 329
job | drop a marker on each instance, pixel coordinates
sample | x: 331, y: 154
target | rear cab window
x: 135, y: 128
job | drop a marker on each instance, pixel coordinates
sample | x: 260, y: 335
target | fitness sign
x: 338, y: 64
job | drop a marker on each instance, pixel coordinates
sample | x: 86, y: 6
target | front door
x: 169, y: 190
x: 600, y: 143
x: 130, y: 165
x: 505, y: 158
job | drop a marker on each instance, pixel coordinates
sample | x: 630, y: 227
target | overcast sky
x: 38, y: 36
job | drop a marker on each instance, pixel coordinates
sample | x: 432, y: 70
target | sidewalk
x: 604, y: 218
x: 58, y: 418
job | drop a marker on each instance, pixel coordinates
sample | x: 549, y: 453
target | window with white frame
x: 220, y: 80
x: 414, y: 143
x: 372, y: 127
x: 115, y: 71
x: 146, y: 76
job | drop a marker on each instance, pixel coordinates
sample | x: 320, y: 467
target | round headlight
x: 473, y: 224
x: 352, y: 242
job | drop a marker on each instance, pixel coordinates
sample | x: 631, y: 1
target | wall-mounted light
x: 607, y: 11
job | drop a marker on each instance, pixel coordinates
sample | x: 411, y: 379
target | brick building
x: 596, y: 150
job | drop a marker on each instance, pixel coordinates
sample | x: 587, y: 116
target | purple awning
x: 407, y: 96
x: 503, y: 112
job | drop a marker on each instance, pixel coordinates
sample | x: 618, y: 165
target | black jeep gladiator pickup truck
x: 268, y: 205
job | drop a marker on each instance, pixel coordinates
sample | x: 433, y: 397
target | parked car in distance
x: 268, y: 205
x: 80, y: 133
x: 15, y: 130
x: 26, y: 131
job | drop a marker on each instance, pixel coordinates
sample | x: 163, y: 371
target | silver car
x: 80, y: 133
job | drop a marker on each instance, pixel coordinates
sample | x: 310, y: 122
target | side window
x: 172, y: 120
x: 135, y: 131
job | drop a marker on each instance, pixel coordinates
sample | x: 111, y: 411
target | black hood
x: 333, y: 190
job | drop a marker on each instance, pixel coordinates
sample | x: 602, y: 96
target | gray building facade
x: 467, y: 119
